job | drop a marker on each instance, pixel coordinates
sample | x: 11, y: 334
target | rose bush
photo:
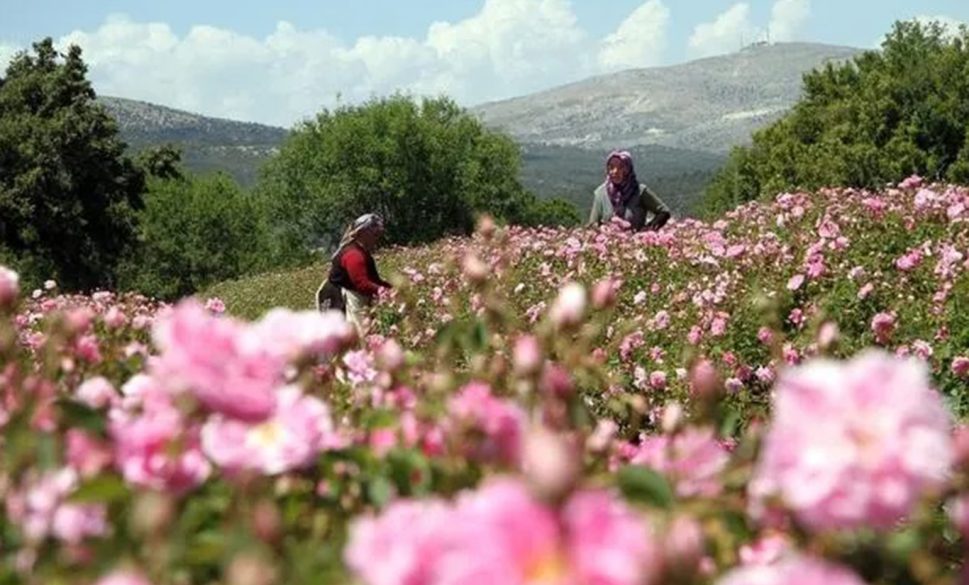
x: 771, y: 398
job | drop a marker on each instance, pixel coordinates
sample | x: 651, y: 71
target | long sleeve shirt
x: 354, y: 269
x: 355, y: 264
x: 636, y: 211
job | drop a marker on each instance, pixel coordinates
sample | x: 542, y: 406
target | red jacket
x: 354, y: 269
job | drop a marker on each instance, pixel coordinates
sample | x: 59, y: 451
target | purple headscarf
x: 620, y: 194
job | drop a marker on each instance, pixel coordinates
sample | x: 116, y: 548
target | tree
x: 162, y: 161
x: 68, y: 195
x: 195, y: 232
x: 427, y: 167
x: 883, y: 116
x: 551, y: 212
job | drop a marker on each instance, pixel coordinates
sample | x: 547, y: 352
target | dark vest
x: 329, y: 296
x: 341, y: 278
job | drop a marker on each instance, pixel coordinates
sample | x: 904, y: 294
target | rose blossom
x: 855, y: 444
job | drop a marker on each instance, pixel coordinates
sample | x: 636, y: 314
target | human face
x: 368, y: 238
x: 617, y: 170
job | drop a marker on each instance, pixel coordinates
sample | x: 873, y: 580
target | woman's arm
x: 653, y: 204
x: 355, y: 263
x: 595, y: 217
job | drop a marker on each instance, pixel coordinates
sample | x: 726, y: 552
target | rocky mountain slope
x: 709, y: 104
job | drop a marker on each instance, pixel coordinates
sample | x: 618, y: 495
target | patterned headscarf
x: 619, y: 195
x: 359, y: 225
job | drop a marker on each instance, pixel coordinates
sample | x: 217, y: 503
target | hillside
x: 679, y: 121
x: 208, y: 144
x: 549, y: 387
x: 708, y: 104
x: 889, y: 269
x: 143, y: 123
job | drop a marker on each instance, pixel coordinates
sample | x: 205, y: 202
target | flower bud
x: 123, y: 578
x: 960, y: 444
x: 215, y: 305
x: 600, y: 439
x: 153, y: 512
x: 549, y: 463
x: 266, y: 521
x: 527, y: 355
x: 250, y: 569
x: 604, y: 294
x: 486, y: 226
x: 883, y: 325
x: 704, y: 380
x: 764, y: 551
x: 115, y: 318
x: 672, y: 417
x: 474, y: 269
x: 556, y: 382
x: 9, y: 287
x: 569, y: 308
x: 828, y: 335
x: 684, y: 545
x: 960, y: 366
x: 79, y: 320
x: 390, y: 356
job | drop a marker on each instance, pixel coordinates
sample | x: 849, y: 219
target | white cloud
x: 733, y: 29
x: 725, y: 34
x: 523, y: 44
x: 639, y: 41
x: 787, y: 17
x: 6, y: 55
x: 950, y: 24
x: 509, y: 48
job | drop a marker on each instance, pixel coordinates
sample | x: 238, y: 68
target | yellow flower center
x: 547, y: 569
x: 266, y: 434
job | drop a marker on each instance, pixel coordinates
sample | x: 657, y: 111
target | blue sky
x: 277, y: 62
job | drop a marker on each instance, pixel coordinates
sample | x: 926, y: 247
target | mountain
x: 709, y: 104
x: 678, y: 121
x: 208, y: 144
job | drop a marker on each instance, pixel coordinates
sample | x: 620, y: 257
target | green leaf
x: 379, y: 490
x: 78, y: 415
x: 206, y: 548
x: 378, y: 419
x: 410, y: 471
x: 730, y: 422
x: 903, y: 544
x: 477, y: 337
x: 642, y: 484
x: 47, y: 451
x: 102, y: 489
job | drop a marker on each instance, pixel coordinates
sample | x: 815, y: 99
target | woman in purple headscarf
x: 622, y: 195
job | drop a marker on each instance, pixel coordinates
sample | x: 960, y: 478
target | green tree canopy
x: 161, y: 161
x: 551, y: 212
x: 428, y: 167
x: 193, y: 232
x: 68, y: 195
x: 882, y: 117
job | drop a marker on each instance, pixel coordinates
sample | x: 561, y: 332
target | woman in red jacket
x: 353, y: 282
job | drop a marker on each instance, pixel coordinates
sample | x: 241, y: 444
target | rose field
x: 774, y: 397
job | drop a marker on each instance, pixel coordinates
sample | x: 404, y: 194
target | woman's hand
x: 658, y: 221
